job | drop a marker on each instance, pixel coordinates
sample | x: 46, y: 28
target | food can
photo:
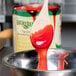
x: 23, y: 19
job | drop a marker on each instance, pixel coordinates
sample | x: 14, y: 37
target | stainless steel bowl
x: 25, y: 63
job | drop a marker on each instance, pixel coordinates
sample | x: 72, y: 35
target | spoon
x: 43, y: 18
x: 42, y: 35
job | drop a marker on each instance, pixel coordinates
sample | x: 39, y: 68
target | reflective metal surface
x: 25, y: 63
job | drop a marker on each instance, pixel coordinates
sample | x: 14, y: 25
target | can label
x: 22, y: 24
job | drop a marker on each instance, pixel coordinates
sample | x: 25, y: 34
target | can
x: 23, y: 19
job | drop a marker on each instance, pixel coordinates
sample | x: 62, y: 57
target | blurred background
x: 68, y: 21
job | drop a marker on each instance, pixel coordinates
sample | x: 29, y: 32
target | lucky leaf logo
x: 25, y: 24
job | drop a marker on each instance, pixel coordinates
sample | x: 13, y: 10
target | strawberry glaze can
x: 23, y: 19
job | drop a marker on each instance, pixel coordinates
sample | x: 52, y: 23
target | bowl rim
x: 4, y: 61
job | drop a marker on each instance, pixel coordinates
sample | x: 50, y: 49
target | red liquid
x: 33, y: 10
x: 44, y: 36
x: 54, y: 17
x: 62, y: 61
x: 54, y: 9
x: 33, y: 14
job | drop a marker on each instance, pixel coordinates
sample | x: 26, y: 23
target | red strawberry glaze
x: 41, y: 40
